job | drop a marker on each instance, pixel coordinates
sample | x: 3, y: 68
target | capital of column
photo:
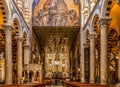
x: 19, y: 38
x: 26, y: 45
x: 86, y: 45
x: 104, y: 22
x: 7, y: 28
x: 92, y: 36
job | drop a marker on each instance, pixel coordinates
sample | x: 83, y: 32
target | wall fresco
x: 56, y: 13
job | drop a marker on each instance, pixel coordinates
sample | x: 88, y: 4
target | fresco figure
x: 62, y: 7
x: 46, y: 20
x: 56, y: 13
x: 59, y: 20
x: 77, y: 2
x: 38, y: 19
x: 46, y: 5
x: 73, y: 19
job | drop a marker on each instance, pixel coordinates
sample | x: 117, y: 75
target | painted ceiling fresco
x: 56, y: 13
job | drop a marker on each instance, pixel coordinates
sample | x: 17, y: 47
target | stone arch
x: 113, y: 35
x: 37, y: 75
x: 94, y: 23
x: 31, y: 76
x: 16, y: 27
x: 96, y: 31
x: 15, y: 36
x: 96, y: 12
x: 25, y: 76
x: 4, y: 17
x: 106, y: 7
x: 17, y: 24
x: 5, y: 10
x: 113, y: 55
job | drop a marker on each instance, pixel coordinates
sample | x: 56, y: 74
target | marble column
x: 26, y: 54
x: 82, y: 75
x: 8, y: 53
x: 104, y: 23
x: 86, y: 61
x: 19, y: 59
x: 92, y: 58
x: 82, y: 66
x: 119, y: 62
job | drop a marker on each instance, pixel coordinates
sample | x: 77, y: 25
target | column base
x: 92, y: 81
x: 103, y: 82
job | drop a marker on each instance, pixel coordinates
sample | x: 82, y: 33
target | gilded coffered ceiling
x: 58, y: 35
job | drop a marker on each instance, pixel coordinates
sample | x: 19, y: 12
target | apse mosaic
x: 56, y: 12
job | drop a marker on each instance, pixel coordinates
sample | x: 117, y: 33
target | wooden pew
x: 26, y: 85
x: 78, y: 84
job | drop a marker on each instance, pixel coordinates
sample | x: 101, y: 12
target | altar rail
x: 78, y: 84
x: 26, y: 85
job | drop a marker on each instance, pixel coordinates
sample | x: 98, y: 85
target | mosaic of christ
x: 56, y: 13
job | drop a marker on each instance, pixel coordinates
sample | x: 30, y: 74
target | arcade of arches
x: 75, y: 40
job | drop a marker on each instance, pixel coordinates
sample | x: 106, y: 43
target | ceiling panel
x: 44, y: 34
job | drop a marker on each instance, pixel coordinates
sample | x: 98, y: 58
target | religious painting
x: 56, y: 13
